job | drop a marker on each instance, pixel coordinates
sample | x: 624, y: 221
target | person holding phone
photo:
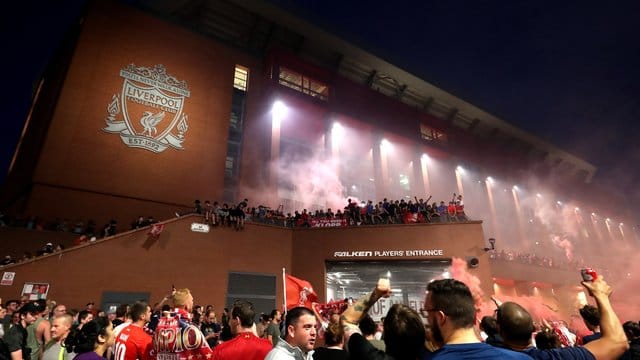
x: 516, y: 326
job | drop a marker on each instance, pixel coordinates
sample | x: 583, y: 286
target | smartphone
x: 588, y: 274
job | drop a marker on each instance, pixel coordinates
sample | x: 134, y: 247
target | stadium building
x: 149, y: 105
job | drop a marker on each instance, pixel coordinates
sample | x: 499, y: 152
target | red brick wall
x: 130, y: 263
x: 312, y: 248
x: 201, y: 262
x: 79, y: 156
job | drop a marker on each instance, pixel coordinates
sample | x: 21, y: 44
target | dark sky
x: 31, y: 32
x: 568, y: 72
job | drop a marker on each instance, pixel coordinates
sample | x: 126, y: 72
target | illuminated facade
x: 289, y: 115
x: 248, y: 101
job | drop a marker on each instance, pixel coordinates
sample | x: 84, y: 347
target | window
x: 258, y: 289
x: 354, y: 278
x: 228, y: 166
x: 237, y: 109
x: 303, y: 84
x: 241, y: 78
x: 431, y: 134
x: 234, y: 140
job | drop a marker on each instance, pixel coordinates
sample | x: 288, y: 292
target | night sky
x: 568, y: 72
x: 31, y: 32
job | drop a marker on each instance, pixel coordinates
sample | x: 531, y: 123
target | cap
x: 31, y: 307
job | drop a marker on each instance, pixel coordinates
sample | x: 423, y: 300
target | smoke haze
x: 527, y: 218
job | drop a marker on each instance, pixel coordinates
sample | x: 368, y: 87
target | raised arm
x: 360, y: 307
x: 165, y: 299
x: 613, y: 342
x: 320, y: 322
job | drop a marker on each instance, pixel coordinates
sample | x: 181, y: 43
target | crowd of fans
x: 86, y: 232
x: 235, y: 215
x: 533, y: 259
x: 216, y: 214
x: 445, y: 328
x: 79, y: 227
x: 48, y: 248
x: 560, y: 262
x: 353, y: 214
x: 223, y: 215
x: 365, y: 213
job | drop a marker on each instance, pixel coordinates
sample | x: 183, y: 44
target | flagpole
x: 284, y: 289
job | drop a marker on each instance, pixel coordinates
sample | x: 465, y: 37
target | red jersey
x: 245, y: 346
x: 132, y: 343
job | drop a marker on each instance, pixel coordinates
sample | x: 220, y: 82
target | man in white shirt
x: 300, y: 339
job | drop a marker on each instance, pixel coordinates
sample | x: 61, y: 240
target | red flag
x: 156, y: 229
x: 410, y: 218
x: 299, y: 292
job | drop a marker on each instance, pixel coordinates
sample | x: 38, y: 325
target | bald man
x: 60, y: 328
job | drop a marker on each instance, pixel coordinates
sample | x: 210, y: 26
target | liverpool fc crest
x: 151, y: 104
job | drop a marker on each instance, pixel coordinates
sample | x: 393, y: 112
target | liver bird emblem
x: 149, y: 121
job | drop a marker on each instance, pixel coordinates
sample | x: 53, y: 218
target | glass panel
x: 241, y: 78
x: 228, y: 166
x: 408, y: 280
x: 258, y: 289
x: 234, y: 140
x: 237, y: 109
x: 303, y: 84
x: 431, y: 134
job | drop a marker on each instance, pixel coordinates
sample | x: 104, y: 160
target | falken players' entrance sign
x: 151, y: 102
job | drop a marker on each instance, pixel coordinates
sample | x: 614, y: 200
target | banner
x: 299, y: 292
x: 337, y: 306
x: 323, y: 223
x: 35, y: 291
x: 328, y: 222
x: 409, y: 217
